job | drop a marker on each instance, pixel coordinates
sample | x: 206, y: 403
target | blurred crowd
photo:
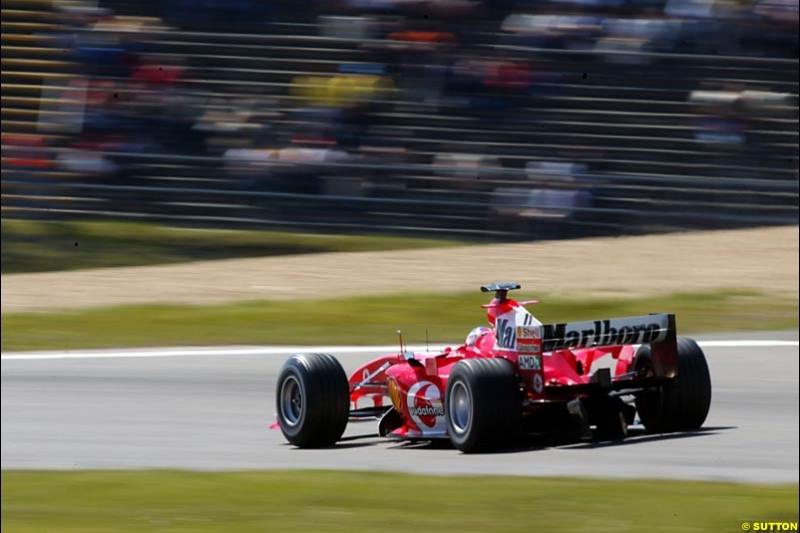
x: 479, y: 60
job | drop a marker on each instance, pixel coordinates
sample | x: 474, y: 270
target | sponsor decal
x: 637, y: 330
x: 538, y: 383
x: 425, y: 406
x: 427, y: 410
x: 529, y: 339
x: 529, y: 348
x: 529, y: 332
x: 518, y: 330
x: 529, y: 345
x: 505, y: 336
x: 530, y: 362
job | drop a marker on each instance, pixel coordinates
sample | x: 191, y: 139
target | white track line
x: 278, y: 350
x: 212, y: 351
x: 747, y: 344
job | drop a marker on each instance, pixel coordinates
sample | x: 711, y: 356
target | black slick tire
x: 682, y: 404
x: 482, y: 405
x: 313, y: 400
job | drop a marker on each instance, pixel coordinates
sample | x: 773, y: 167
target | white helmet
x: 476, y: 334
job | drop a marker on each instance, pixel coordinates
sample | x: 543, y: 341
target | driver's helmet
x: 476, y: 334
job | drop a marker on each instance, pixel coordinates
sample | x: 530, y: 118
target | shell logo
x: 425, y: 406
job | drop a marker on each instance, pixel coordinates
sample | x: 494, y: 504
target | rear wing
x: 657, y: 330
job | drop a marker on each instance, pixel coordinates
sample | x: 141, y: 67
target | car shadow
x: 641, y: 436
x: 349, y: 441
x: 348, y: 445
x: 528, y: 443
x: 358, y: 441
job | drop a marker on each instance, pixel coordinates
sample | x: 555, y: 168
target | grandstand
x: 628, y: 120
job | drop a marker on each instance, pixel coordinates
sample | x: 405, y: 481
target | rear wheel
x: 313, y: 400
x: 482, y: 404
x: 681, y: 404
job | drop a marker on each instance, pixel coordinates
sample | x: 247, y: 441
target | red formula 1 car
x: 519, y: 375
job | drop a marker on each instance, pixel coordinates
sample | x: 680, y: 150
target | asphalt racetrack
x: 194, y: 410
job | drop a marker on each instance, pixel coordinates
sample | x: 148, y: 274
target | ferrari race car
x: 517, y: 376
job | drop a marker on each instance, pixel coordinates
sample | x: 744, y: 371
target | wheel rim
x: 460, y: 407
x: 291, y: 401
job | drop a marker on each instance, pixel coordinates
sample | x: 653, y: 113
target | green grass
x: 32, y: 246
x: 173, y: 501
x: 365, y: 320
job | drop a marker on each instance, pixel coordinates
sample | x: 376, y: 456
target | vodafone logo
x: 425, y: 406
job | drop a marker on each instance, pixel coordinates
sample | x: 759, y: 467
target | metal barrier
x: 506, y: 205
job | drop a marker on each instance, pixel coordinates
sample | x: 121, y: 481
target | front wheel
x: 482, y: 404
x: 313, y: 400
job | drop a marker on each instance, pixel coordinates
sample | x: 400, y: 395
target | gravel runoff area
x: 763, y: 259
